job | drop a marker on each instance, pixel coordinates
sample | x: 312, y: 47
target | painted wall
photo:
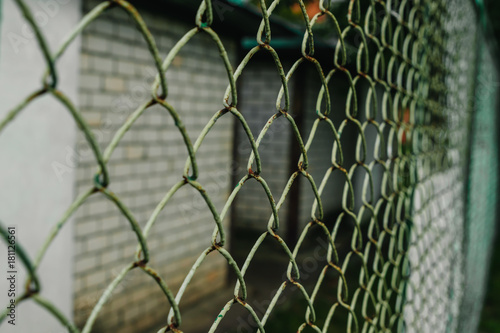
x: 31, y: 195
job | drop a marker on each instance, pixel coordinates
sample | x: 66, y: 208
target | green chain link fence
x: 419, y: 242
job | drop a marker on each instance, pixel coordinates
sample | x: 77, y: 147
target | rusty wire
x: 414, y: 78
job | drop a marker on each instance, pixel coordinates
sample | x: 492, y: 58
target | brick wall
x: 116, y: 73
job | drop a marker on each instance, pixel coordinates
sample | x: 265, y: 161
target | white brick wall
x: 117, y: 70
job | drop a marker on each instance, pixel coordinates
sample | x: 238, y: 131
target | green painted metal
x: 483, y: 186
x: 410, y: 78
x: 238, y: 2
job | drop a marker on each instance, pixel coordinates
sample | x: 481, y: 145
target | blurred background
x: 46, y: 163
x: 490, y: 317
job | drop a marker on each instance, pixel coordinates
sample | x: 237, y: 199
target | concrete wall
x: 32, y: 197
x: 116, y: 72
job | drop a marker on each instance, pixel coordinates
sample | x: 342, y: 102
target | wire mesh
x: 403, y: 268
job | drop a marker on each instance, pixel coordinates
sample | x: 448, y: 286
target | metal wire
x: 405, y: 256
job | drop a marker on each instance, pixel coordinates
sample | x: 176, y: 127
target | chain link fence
x: 408, y: 249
